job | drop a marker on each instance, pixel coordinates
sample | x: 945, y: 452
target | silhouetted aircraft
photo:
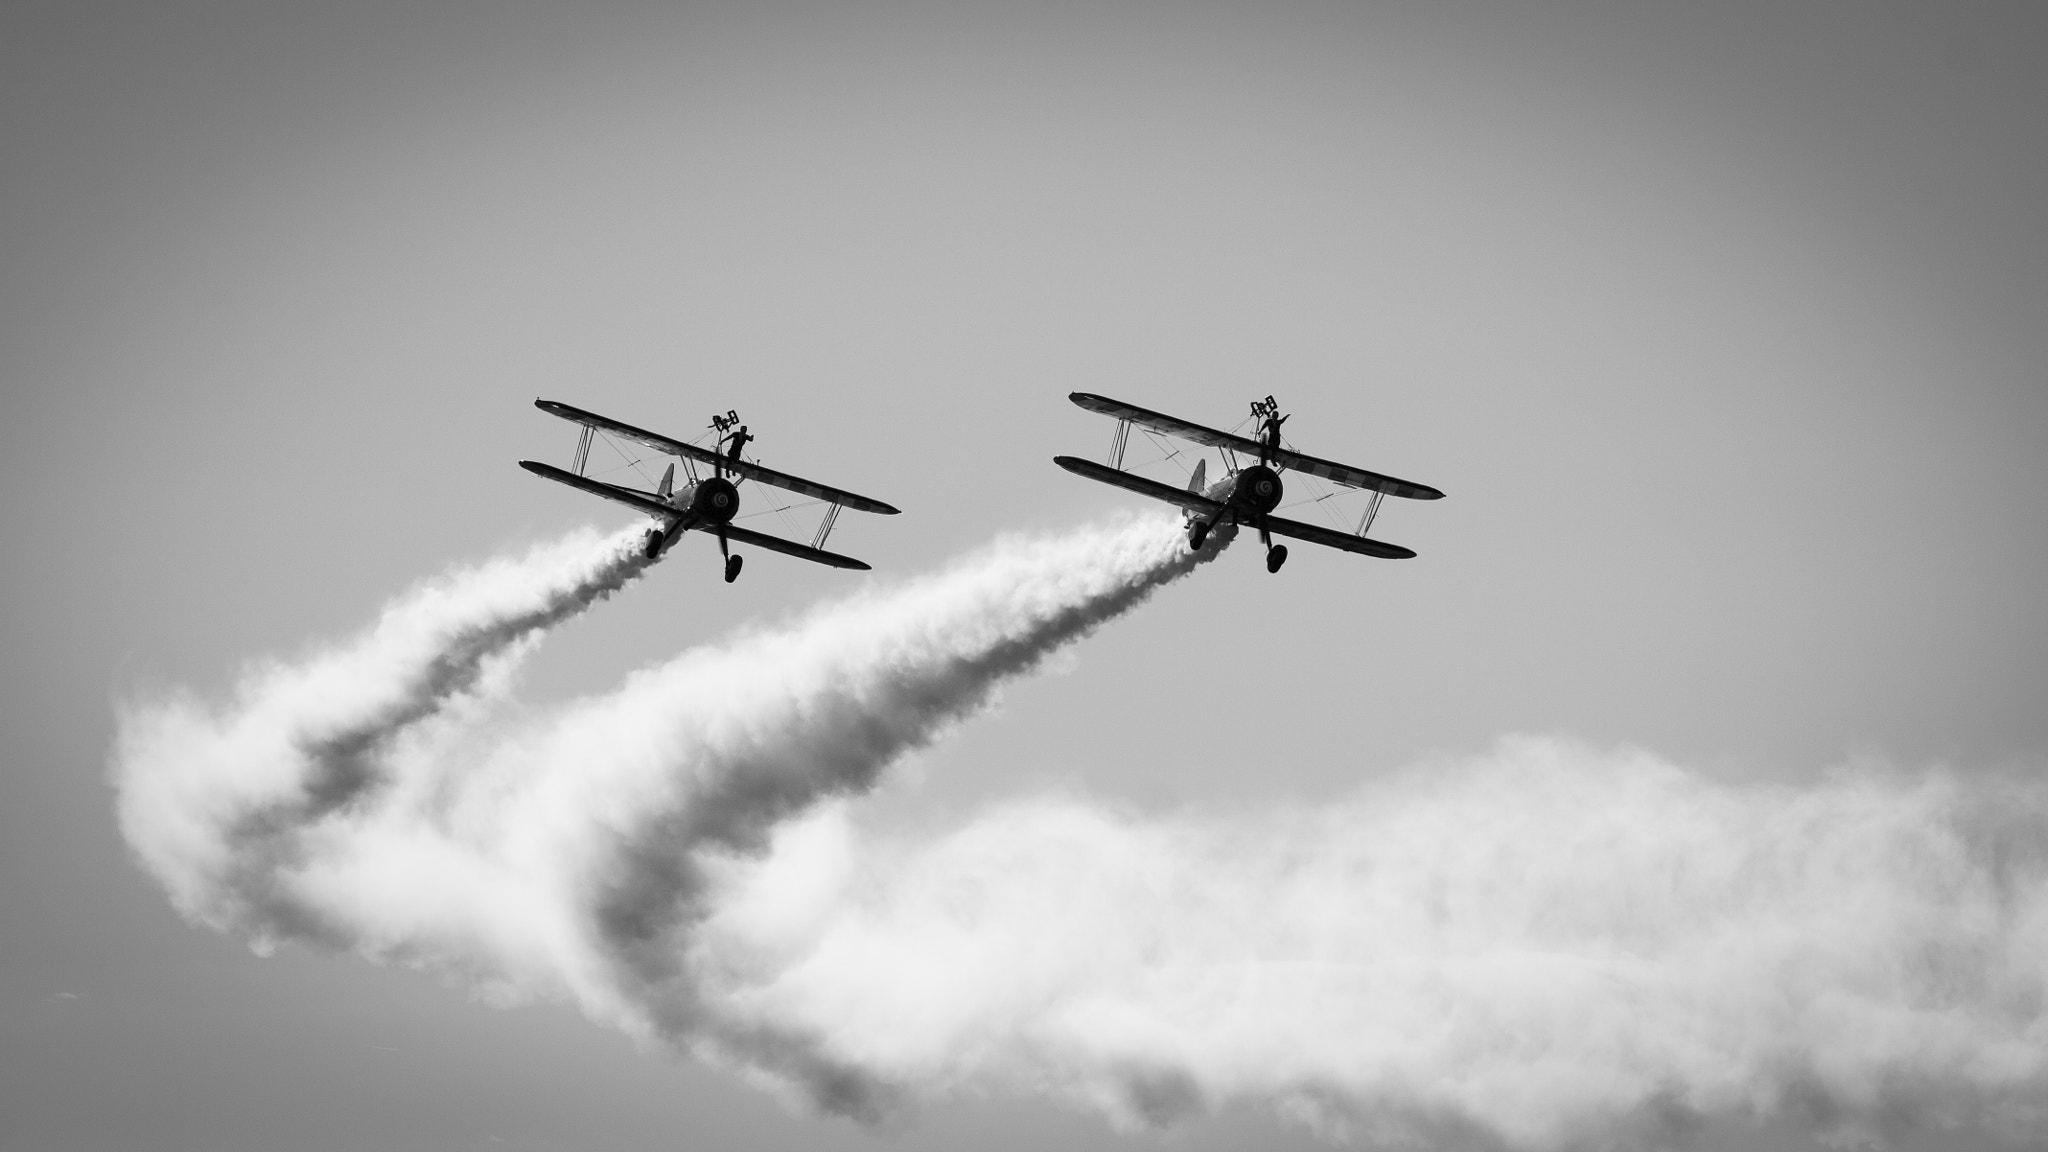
x: 706, y: 503
x: 1247, y: 493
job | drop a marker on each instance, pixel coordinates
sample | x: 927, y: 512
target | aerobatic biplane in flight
x: 706, y: 503
x: 1248, y: 493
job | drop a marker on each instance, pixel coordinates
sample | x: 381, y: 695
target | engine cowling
x: 716, y: 500
x: 1258, y: 489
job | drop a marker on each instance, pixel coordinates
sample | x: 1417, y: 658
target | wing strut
x: 1372, y: 510
x: 582, y: 450
x: 825, y: 528
x: 1117, y: 440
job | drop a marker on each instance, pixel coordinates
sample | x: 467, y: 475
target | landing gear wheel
x: 1197, y: 534
x: 732, y: 568
x: 1275, y: 557
x: 653, y: 549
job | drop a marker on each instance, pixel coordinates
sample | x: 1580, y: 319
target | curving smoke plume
x: 221, y: 805
x: 1535, y: 948
x: 378, y: 797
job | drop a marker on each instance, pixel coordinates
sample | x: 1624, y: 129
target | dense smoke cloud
x: 1545, y: 945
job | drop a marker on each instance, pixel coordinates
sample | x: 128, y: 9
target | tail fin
x: 668, y: 482
x: 1196, y: 485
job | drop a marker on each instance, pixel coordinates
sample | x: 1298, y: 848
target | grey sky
x: 1725, y: 328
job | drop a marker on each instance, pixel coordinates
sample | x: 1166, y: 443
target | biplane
x: 1248, y: 492
x: 705, y: 503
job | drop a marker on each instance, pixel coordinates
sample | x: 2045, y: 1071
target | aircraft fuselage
x: 713, y: 500
x: 1246, y: 495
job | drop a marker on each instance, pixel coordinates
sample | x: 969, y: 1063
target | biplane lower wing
x: 670, y: 446
x: 740, y: 535
x: 645, y: 502
x: 1278, y: 525
x: 1331, y: 538
x: 1330, y: 470
x: 1139, y: 484
x: 630, y: 497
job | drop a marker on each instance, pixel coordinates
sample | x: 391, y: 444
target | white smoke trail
x: 345, y: 803
x: 1549, y: 946
x: 1540, y: 948
x: 217, y: 804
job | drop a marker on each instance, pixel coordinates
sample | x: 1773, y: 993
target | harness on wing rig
x: 1269, y: 442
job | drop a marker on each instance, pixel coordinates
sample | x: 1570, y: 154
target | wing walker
x: 1248, y: 492
x: 705, y: 503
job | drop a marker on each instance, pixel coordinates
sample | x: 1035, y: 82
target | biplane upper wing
x: 630, y: 497
x: 673, y: 447
x: 740, y: 535
x: 1138, y: 484
x: 1330, y: 470
x: 1330, y: 538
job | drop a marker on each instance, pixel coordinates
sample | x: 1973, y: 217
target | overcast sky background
x: 1724, y: 327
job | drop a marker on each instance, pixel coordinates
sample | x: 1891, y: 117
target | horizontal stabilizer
x: 752, y: 471
x: 1330, y: 470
